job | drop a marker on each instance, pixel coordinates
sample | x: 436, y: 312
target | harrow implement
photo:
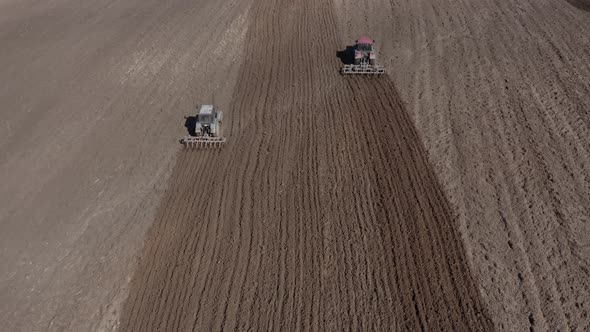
x: 364, y: 69
x: 202, y: 142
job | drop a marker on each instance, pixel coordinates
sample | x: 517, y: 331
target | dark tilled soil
x: 321, y: 213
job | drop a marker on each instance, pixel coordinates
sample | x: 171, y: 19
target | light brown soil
x: 92, y: 101
x: 322, y: 212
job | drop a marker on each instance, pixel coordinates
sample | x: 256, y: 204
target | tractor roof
x: 206, y: 109
x: 365, y: 40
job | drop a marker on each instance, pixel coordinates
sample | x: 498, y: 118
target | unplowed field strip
x: 321, y: 213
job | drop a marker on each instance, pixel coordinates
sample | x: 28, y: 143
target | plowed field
x: 451, y: 194
x: 499, y: 92
x: 322, y: 212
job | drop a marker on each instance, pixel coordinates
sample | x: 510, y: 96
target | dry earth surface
x: 325, y: 210
x: 91, y: 100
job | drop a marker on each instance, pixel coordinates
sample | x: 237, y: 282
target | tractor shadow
x: 190, y: 122
x: 346, y: 56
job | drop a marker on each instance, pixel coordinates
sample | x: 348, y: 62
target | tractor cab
x: 364, y: 44
x: 206, y: 115
x: 364, y: 47
x: 363, y: 52
x: 207, y: 120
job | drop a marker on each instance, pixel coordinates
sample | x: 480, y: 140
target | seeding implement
x: 207, y: 129
x: 364, y: 59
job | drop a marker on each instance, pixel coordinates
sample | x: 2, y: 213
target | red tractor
x: 364, y: 59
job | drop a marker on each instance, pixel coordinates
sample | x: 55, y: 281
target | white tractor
x: 204, y: 129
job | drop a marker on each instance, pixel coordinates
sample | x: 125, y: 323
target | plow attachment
x: 203, y: 142
x: 362, y: 70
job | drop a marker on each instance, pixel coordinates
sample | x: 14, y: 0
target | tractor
x: 204, y: 129
x: 364, y: 59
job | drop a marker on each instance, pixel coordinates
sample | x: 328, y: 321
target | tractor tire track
x: 321, y: 213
